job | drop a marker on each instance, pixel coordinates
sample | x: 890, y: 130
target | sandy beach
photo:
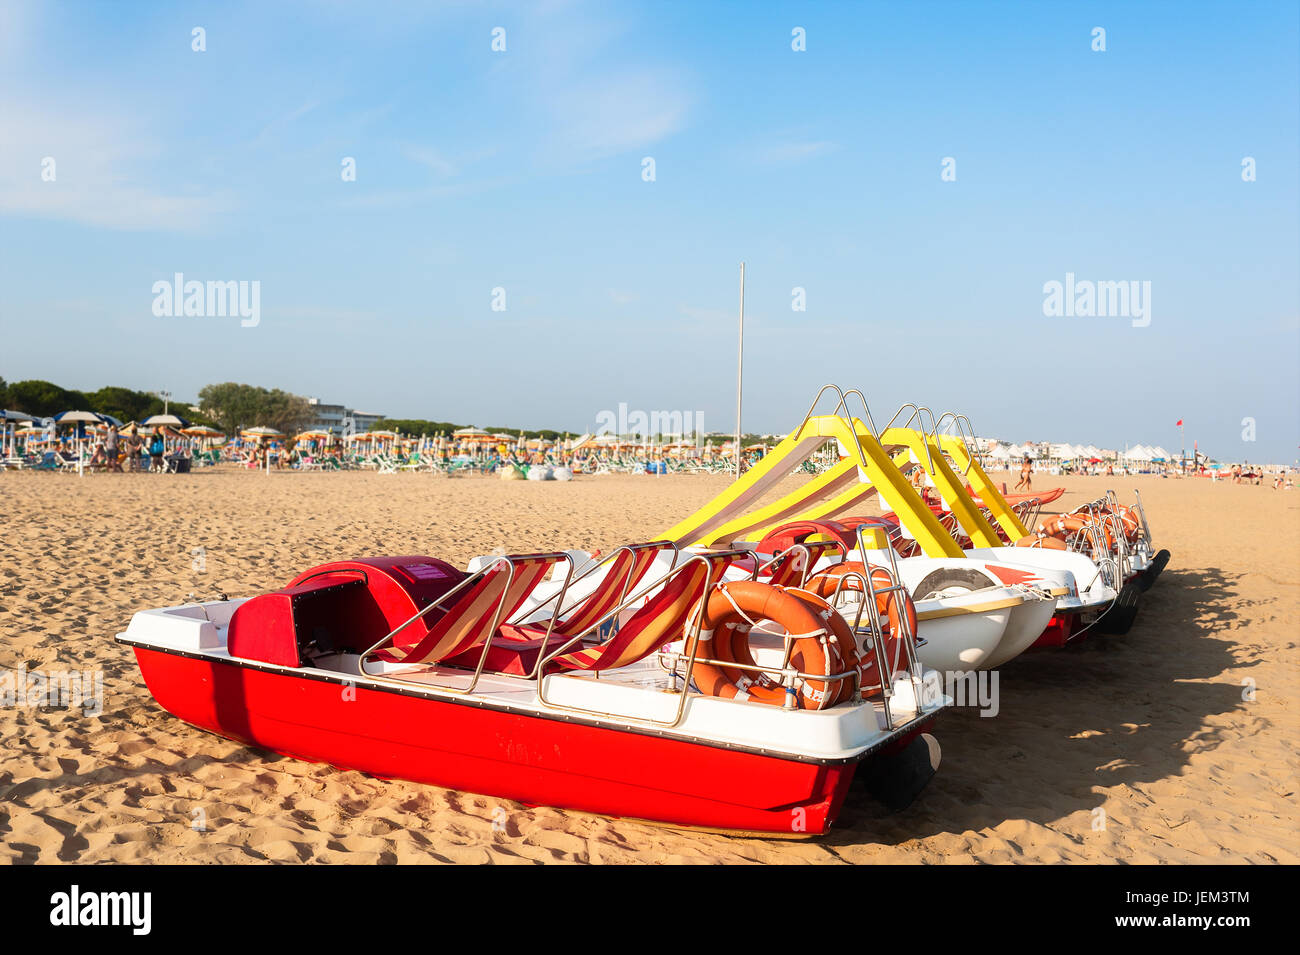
x: 1134, y: 749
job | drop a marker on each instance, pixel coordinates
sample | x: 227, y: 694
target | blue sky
x: 523, y: 170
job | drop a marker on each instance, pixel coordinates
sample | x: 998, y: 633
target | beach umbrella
x: 164, y: 420
x: 261, y: 431
x: 202, y: 431
x: 79, y: 419
x: 5, y: 418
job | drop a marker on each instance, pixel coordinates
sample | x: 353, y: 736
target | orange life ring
x: 726, y: 626
x: 1043, y: 541
x: 1129, y: 518
x: 1067, y: 524
x: 839, y: 656
x: 825, y: 585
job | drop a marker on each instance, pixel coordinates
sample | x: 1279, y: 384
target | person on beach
x: 134, y: 446
x: 157, y: 448
x: 99, y: 458
x: 1026, y: 472
x: 110, y: 450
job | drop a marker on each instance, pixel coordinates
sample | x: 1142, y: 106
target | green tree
x: 44, y: 398
x: 232, y: 406
x: 125, y: 403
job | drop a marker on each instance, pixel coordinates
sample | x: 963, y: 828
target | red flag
x: 1179, y: 424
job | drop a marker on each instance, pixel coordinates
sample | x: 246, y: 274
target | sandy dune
x: 1148, y: 733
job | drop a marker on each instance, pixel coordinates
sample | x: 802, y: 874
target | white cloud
x: 794, y: 151
x: 100, y: 167
x: 597, y: 117
x: 428, y: 156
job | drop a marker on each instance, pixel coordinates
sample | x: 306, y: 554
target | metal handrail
x: 869, y: 603
x: 697, y: 613
x: 631, y: 548
x: 842, y: 403
x: 496, y: 616
x: 906, y: 405
x: 866, y: 409
x: 972, y: 446
x: 808, y: 566
x: 671, y: 659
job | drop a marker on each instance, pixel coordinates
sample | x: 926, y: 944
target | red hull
x: 526, y: 758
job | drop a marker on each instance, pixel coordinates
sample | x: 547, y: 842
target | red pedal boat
x: 406, y: 667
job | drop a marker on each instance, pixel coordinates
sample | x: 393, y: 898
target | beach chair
x: 626, y: 572
x: 663, y: 618
x: 470, y: 614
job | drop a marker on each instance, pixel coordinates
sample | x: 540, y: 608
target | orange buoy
x: 730, y: 614
x: 825, y: 585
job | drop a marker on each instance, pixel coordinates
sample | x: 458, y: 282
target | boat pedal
x: 896, y: 780
x: 1118, y: 618
x: 1157, y: 565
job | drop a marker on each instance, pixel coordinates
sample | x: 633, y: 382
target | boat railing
x: 1142, y: 513
x: 872, y: 634
x: 769, y: 566
x: 510, y: 566
x: 964, y: 432
x: 639, y: 589
x: 691, y: 631
x: 846, y: 417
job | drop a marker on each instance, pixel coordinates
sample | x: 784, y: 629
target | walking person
x: 1026, y: 472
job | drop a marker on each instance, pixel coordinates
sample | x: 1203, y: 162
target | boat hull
x: 559, y: 761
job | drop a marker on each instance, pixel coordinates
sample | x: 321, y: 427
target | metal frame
x: 623, y: 599
x: 697, y: 612
x: 808, y: 567
x: 876, y: 629
x: 509, y: 561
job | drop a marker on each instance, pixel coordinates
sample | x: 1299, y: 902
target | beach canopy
x: 79, y: 417
x: 163, y: 420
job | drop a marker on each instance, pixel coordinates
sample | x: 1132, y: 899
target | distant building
x: 364, y: 420
x: 337, y: 418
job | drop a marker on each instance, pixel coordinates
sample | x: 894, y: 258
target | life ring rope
x: 820, y: 633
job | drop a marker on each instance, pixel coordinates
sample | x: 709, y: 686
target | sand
x: 1141, y: 748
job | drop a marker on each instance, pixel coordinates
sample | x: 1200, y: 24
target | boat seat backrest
x: 470, y: 619
x: 627, y: 571
x: 662, y: 619
x: 792, y: 566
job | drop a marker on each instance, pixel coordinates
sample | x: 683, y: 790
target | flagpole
x: 740, y: 365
